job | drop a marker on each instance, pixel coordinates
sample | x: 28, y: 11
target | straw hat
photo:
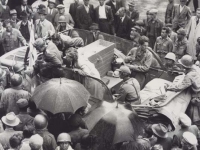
x: 10, y: 119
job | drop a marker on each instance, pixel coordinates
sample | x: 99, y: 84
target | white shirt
x: 122, y: 19
x: 50, y: 11
x: 87, y: 8
x: 23, y: 8
x: 181, y: 8
x: 102, y: 12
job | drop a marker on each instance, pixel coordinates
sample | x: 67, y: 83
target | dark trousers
x: 152, y: 41
x: 104, y: 26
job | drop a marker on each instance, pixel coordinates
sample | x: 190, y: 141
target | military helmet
x: 171, y: 56
x: 16, y: 80
x: 17, y: 68
x: 62, y: 19
x: 124, y: 69
x: 186, y: 61
x: 64, y: 137
x: 40, y: 121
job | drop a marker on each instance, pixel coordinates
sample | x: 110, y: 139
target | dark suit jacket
x: 72, y: 10
x: 51, y: 17
x: 114, y: 9
x: 134, y: 15
x: 123, y: 29
x: 83, y: 19
x: 19, y: 10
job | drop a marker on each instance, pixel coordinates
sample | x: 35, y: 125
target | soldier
x: 181, y: 44
x: 170, y: 62
x: 163, y: 43
x: 63, y: 25
x: 139, y: 59
x: 64, y: 142
x: 13, y: 18
x: 192, y: 80
x: 129, y: 91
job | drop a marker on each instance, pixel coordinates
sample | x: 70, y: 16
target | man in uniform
x: 181, y: 44
x: 139, y: 59
x: 50, y: 66
x: 129, y: 91
x: 51, y: 10
x: 189, y: 141
x: 163, y: 44
x: 170, y: 62
x: 153, y: 27
x: 192, y: 80
x: 63, y: 26
x: 13, y: 18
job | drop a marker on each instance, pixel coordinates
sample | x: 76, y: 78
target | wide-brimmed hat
x: 13, y: 11
x: 43, y: 11
x: 190, y: 138
x: 185, y: 120
x: 60, y: 6
x: 23, y: 14
x: 52, y: 1
x: 10, y: 119
x: 160, y: 130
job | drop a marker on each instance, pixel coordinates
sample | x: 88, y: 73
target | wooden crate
x: 100, y: 53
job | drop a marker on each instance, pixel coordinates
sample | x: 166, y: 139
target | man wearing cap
x: 181, y: 15
x: 10, y: 121
x: 189, y: 141
x: 25, y: 26
x: 104, y: 18
x: 10, y: 96
x: 135, y: 35
x: 181, y: 44
x: 50, y: 65
x: 163, y: 44
x: 160, y: 131
x: 36, y: 4
x: 36, y: 142
x: 153, y: 27
x: 36, y: 15
x: 186, y: 126
x: 24, y: 7
x: 139, y: 60
x: 43, y: 26
x: 132, y: 12
x: 124, y: 24
x: 24, y: 117
x: 12, y: 38
x: 192, y: 80
x: 61, y: 12
x: 169, y: 10
x: 85, y: 15
x: 13, y: 18
x: 129, y: 91
x: 73, y: 9
x: 193, y: 33
x: 51, y: 10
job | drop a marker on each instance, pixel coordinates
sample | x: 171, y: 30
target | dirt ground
x: 142, y: 6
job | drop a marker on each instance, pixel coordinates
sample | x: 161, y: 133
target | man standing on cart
x: 191, y: 79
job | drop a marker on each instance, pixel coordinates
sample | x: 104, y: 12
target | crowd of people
x: 49, y: 29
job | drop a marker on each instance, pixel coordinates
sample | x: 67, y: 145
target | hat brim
x: 17, y: 121
x: 155, y: 132
x: 188, y: 67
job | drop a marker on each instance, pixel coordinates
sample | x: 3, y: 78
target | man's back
x: 9, y: 98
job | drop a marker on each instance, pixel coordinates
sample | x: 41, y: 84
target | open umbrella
x: 60, y: 95
x: 112, y: 124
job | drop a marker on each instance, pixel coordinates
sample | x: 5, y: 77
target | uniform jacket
x: 49, y: 142
x: 180, y: 19
x: 42, y: 28
x: 68, y: 18
x: 50, y: 17
x: 19, y: 10
x: 123, y: 29
x: 116, y: 7
x: 12, y: 41
x: 180, y: 48
x: 9, y: 98
x: 163, y: 45
x: 140, y: 62
x: 6, y: 135
x: 193, y: 32
x: 83, y: 19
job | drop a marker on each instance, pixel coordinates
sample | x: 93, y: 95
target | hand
x: 79, y: 72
